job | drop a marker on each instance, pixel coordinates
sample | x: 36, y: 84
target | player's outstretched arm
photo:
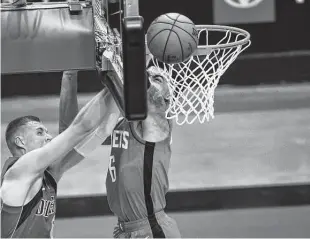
x: 68, y: 109
x: 90, y: 142
x: 30, y: 167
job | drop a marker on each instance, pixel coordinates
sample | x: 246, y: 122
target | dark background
x: 279, y: 51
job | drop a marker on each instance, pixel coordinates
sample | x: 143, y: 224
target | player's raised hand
x: 68, y: 104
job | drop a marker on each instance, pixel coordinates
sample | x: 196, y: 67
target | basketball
x: 172, y: 38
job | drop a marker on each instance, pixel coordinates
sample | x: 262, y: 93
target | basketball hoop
x: 192, y: 83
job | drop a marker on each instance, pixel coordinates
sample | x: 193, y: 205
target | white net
x: 108, y: 41
x: 192, y: 83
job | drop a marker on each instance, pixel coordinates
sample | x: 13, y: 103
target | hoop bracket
x: 135, y: 89
x: 133, y: 39
x: 75, y: 7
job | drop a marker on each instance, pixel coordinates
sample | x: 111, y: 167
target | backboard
x: 76, y: 35
x: 124, y: 53
x: 46, y: 37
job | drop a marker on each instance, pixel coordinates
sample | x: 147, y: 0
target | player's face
x: 158, y: 93
x: 35, y: 135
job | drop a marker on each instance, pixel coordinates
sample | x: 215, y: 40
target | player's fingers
x: 70, y: 73
x: 116, y: 232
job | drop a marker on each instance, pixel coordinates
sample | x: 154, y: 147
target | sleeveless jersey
x: 137, y: 178
x: 36, y: 218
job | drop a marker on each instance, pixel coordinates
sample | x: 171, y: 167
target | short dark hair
x: 14, y: 125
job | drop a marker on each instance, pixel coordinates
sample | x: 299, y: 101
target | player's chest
x: 46, y: 206
x: 120, y: 139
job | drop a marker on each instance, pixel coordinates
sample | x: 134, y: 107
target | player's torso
x: 37, y: 217
x: 135, y: 165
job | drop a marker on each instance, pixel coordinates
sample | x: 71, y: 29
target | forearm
x: 89, y: 144
x: 86, y: 146
x: 96, y: 111
x: 68, y: 105
x: 95, y: 139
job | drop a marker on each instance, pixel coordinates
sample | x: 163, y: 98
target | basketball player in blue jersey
x: 29, y: 178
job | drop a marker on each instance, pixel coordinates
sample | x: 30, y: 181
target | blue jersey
x: 36, y: 218
x: 137, y: 178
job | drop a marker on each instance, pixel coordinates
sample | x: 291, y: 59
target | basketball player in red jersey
x: 137, y: 179
x: 29, y: 178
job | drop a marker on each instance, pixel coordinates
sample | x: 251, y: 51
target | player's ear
x: 20, y: 142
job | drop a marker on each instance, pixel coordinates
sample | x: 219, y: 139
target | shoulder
x: 7, y: 165
x: 17, y: 191
x: 120, y: 121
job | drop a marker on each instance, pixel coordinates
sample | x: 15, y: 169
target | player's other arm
x: 91, y: 141
x: 68, y: 104
x: 30, y: 167
x: 68, y: 109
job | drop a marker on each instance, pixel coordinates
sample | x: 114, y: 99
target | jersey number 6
x: 112, y: 169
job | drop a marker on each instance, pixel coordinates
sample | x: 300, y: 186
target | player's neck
x: 154, y: 128
x: 18, y: 153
